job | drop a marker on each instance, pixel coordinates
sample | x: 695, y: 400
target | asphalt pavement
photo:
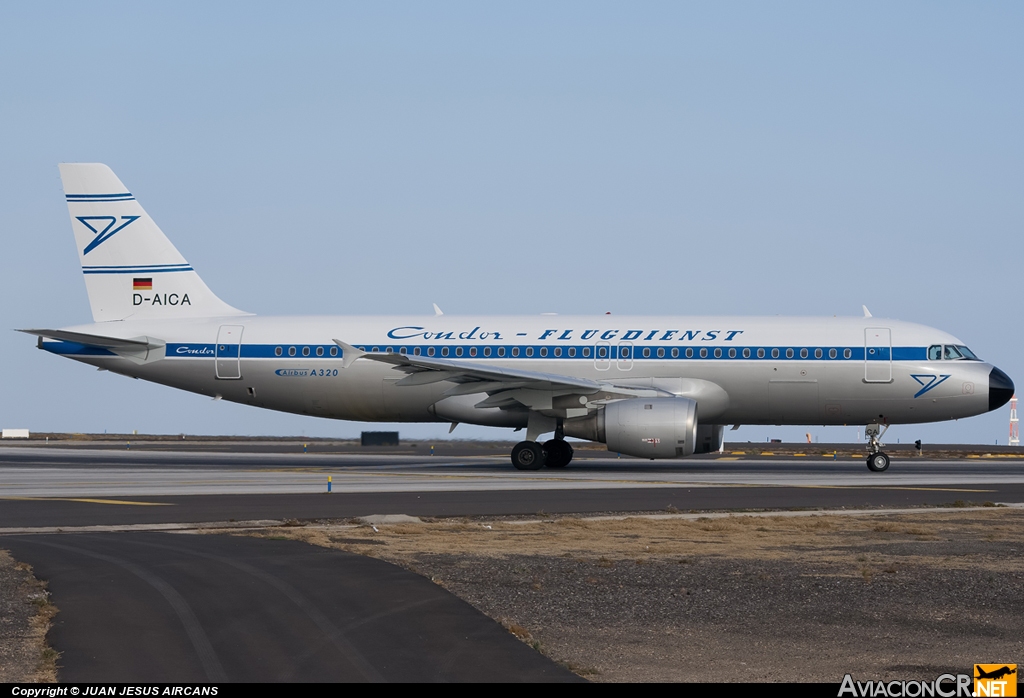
x: 157, y: 607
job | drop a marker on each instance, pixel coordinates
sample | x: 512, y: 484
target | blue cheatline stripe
x: 519, y: 351
x: 135, y: 270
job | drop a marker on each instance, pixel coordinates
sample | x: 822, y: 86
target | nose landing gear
x: 877, y: 461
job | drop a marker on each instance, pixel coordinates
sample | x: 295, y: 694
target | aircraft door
x: 877, y: 355
x: 229, y: 352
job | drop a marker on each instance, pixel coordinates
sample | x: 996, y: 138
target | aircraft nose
x: 1000, y: 389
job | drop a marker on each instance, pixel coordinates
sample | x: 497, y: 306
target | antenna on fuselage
x: 437, y: 311
x: 867, y: 313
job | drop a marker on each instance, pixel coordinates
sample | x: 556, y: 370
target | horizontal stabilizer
x: 92, y: 340
x: 137, y: 349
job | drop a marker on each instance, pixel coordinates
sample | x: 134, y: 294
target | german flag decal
x: 142, y: 284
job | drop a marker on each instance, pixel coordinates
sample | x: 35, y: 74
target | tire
x: 558, y: 453
x: 528, y: 455
x: 878, y: 462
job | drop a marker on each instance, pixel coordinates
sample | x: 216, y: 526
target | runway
x: 63, y: 487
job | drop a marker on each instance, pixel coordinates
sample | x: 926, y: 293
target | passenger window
x: 558, y: 351
x: 472, y: 351
x: 661, y: 352
x: 501, y: 351
x: 760, y: 353
x: 935, y: 352
x: 529, y: 351
x: 444, y: 351
x: 689, y: 352
x: 789, y: 353
x: 586, y: 352
x: 416, y: 351
x: 732, y: 353
x: 430, y: 351
x: 624, y: 352
x: 403, y: 350
x: 832, y: 353
x: 675, y: 352
x: 703, y: 353
x: 390, y: 350
x: 291, y: 351
x: 803, y: 353
x: 543, y: 351
x: 319, y: 351
x: 817, y: 353
x: 334, y: 351
x: 572, y: 352
x: 515, y: 351
x: 746, y: 353
x: 458, y: 351
x: 602, y: 352
x: 487, y: 351
x: 847, y: 353
x: 305, y: 351
x: 718, y: 353
x: 278, y: 351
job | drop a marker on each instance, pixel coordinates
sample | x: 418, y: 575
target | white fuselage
x: 741, y: 370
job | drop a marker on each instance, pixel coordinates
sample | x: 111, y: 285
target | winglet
x: 867, y: 313
x: 348, y: 353
x: 437, y: 311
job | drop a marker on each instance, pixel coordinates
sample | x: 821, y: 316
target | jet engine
x: 664, y: 427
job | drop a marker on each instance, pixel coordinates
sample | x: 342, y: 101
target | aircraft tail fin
x: 132, y: 271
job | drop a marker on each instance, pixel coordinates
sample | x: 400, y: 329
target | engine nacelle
x: 663, y: 427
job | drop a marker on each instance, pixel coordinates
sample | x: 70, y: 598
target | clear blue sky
x: 574, y: 157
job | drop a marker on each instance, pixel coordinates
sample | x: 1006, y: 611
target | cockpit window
x: 949, y: 352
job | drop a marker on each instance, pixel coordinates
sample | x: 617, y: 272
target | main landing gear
x: 877, y: 461
x: 554, y: 453
x: 530, y: 455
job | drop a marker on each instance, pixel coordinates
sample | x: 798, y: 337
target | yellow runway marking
x: 90, y: 501
x: 727, y: 458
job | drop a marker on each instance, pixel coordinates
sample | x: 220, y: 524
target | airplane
x: 650, y: 387
x: 994, y: 674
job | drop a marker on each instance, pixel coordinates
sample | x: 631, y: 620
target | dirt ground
x: 25, y: 615
x: 742, y: 598
x: 769, y: 598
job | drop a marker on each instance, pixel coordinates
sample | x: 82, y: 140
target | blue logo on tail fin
x: 107, y: 232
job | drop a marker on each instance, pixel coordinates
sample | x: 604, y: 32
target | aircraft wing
x: 504, y: 386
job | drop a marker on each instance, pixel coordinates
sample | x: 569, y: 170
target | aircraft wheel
x: 558, y: 453
x: 528, y: 455
x: 878, y: 462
